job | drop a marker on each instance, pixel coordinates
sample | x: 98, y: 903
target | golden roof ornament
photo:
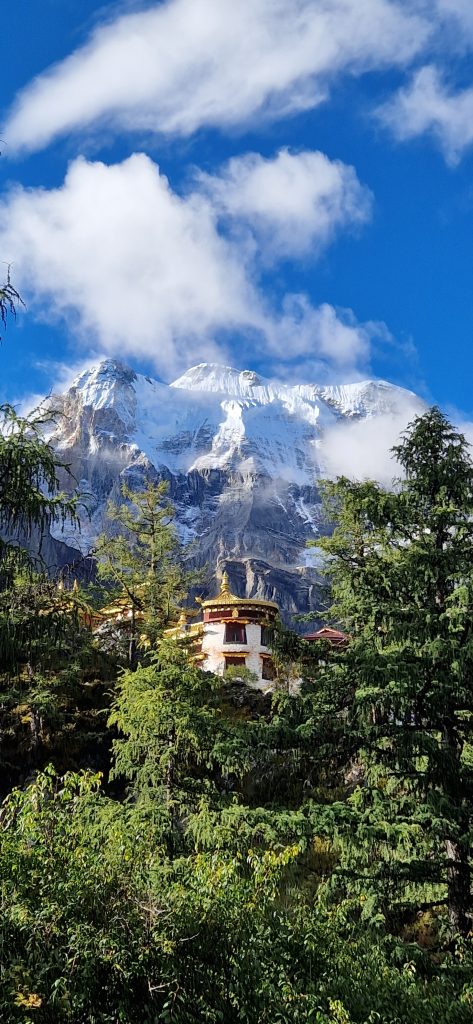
x: 225, y: 598
x: 225, y: 585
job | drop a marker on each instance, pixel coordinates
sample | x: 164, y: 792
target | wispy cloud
x: 429, y: 106
x: 304, y: 334
x: 185, y: 64
x: 457, y: 13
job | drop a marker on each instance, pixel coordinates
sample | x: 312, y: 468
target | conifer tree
x: 401, y: 563
x: 30, y: 496
x: 10, y: 299
x: 167, y: 717
x: 142, y: 562
x: 31, y: 501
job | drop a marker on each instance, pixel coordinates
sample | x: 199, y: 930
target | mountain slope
x: 242, y: 454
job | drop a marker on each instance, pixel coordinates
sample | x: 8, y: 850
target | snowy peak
x: 109, y: 385
x: 224, y: 380
x: 211, y: 418
x: 362, y: 398
x: 98, y: 380
x: 242, y: 455
x: 365, y: 398
x: 217, y: 416
x: 112, y: 384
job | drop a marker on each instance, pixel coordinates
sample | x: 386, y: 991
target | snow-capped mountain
x: 242, y: 454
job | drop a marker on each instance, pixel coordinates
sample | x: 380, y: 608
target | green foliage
x: 255, y: 858
x: 96, y: 927
x: 41, y: 624
x: 10, y: 299
x: 401, y: 563
x: 211, y: 773
x: 165, y: 714
x: 240, y: 673
x: 54, y: 682
x: 30, y: 498
x: 142, y: 563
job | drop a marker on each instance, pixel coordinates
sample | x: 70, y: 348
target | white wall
x: 215, y: 649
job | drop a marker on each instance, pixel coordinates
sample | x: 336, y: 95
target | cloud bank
x: 361, y: 449
x: 182, y: 65
x: 186, y: 64
x: 460, y: 14
x: 137, y: 268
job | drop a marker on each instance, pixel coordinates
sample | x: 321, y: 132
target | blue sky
x: 283, y: 185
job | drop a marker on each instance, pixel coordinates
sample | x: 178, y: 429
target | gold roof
x: 225, y: 598
x: 193, y: 630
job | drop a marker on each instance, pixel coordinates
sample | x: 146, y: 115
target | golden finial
x: 225, y: 586
x: 182, y: 620
x: 75, y: 587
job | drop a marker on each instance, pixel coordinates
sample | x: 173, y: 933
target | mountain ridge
x: 242, y: 455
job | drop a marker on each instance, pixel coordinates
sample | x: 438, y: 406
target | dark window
x: 267, y: 633
x: 229, y: 660
x: 235, y: 633
x: 268, y: 669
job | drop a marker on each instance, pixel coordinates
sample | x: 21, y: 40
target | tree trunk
x: 132, y: 645
x: 458, y: 867
x: 459, y: 887
x: 36, y: 729
x: 170, y: 790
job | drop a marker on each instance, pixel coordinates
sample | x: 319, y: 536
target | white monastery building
x: 234, y: 631
x: 237, y: 631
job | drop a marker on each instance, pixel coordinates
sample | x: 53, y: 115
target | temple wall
x: 215, y: 650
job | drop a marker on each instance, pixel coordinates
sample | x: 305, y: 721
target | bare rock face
x: 242, y: 455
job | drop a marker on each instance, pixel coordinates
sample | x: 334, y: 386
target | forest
x: 177, y: 847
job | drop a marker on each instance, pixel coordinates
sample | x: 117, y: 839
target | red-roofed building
x: 334, y: 636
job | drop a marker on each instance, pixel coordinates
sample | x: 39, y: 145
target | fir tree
x: 401, y: 562
x: 142, y: 563
x: 30, y: 496
x: 167, y: 714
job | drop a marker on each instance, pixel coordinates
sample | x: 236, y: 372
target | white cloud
x: 427, y: 105
x: 361, y: 449
x: 333, y: 336
x: 461, y: 13
x: 141, y: 267
x: 184, y: 64
x: 142, y: 271
x: 293, y: 203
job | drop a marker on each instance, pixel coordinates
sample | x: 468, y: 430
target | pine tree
x: 143, y: 562
x: 167, y: 717
x: 401, y: 563
x: 30, y: 497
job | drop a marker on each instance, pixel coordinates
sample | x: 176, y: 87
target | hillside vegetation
x: 177, y: 848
